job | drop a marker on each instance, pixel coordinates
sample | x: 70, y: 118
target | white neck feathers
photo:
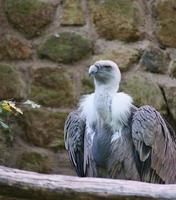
x: 110, y: 87
x: 116, y: 107
x: 121, y: 110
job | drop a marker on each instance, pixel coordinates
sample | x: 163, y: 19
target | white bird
x: 107, y: 136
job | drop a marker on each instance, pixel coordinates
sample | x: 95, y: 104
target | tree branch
x: 30, y: 185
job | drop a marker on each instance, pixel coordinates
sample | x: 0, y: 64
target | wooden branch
x: 30, y: 185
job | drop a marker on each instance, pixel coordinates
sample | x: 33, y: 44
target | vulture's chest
x: 113, y: 153
x: 101, y: 147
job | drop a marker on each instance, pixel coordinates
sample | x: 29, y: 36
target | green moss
x: 29, y: 16
x: 72, y: 13
x: 11, y: 83
x: 13, y: 48
x: 118, y: 20
x: 87, y: 85
x: 91, y: 5
x: 52, y: 87
x: 165, y: 14
x: 50, y: 97
x: 34, y: 161
x: 44, y: 128
x: 67, y: 47
x: 144, y: 92
x: 58, y: 144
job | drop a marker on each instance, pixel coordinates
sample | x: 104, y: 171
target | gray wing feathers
x: 89, y: 163
x: 154, y: 145
x: 74, y: 140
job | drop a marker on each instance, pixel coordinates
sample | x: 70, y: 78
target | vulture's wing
x: 155, y: 151
x: 74, y: 140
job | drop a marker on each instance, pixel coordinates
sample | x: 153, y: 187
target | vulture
x: 107, y: 136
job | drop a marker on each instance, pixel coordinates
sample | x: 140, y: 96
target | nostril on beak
x: 93, y: 70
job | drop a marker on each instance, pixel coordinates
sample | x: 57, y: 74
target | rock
x: 12, y: 86
x: 92, y: 4
x: 172, y: 69
x: 64, y: 163
x: 29, y: 16
x: 13, y: 48
x: 118, y: 20
x: 123, y: 56
x: 72, y: 13
x: 170, y: 94
x: 52, y: 87
x: 144, y: 91
x: 66, y: 47
x: 4, y: 148
x: 44, y: 128
x: 3, y: 19
x: 34, y: 161
x: 164, y: 12
x: 154, y: 60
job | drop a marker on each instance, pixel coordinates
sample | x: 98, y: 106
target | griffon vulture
x: 107, y: 136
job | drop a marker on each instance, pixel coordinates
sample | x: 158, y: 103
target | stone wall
x: 46, y: 48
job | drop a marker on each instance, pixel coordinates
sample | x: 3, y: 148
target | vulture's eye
x: 107, y: 67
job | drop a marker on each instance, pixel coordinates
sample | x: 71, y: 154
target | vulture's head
x: 106, y: 74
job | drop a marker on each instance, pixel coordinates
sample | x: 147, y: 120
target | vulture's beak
x: 93, y: 70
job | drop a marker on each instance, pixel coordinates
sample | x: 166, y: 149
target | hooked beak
x: 93, y: 70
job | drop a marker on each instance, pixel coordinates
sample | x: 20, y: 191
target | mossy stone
x: 29, y: 16
x: 66, y: 47
x: 120, y: 19
x: 4, y: 148
x: 165, y: 15
x: 144, y: 91
x: 72, y: 13
x: 125, y: 57
x: 12, y: 86
x: 44, y: 128
x: 52, y: 87
x: 155, y: 60
x: 172, y: 69
x: 92, y: 4
x: 13, y: 48
x: 87, y: 85
x: 34, y: 161
x: 170, y: 94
